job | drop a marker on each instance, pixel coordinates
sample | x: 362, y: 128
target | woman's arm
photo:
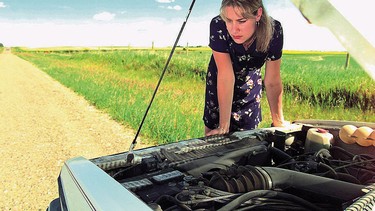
x: 274, y: 89
x: 225, y: 87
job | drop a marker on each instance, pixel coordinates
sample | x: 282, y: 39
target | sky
x: 41, y: 23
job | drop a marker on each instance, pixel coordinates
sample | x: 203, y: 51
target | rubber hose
x: 268, y: 194
x: 284, y: 178
x: 280, y: 155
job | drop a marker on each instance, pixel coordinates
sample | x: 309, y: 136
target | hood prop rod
x: 130, y: 156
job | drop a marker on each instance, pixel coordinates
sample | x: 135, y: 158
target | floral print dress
x: 246, y: 110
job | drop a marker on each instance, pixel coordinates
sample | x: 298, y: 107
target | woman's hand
x: 217, y: 131
x: 281, y: 123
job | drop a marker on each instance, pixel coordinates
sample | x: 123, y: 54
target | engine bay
x: 250, y: 170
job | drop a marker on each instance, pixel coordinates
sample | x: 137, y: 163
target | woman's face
x: 240, y: 28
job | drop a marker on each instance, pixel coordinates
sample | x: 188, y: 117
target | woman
x: 243, y: 38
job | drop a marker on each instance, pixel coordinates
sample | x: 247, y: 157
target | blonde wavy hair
x: 249, y: 9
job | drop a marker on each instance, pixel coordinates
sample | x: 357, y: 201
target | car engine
x: 250, y: 170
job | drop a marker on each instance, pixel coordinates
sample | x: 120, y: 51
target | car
x: 308, y: 165
x: 298, y: 167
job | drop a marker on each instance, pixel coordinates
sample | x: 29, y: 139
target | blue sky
x: 40, y: 23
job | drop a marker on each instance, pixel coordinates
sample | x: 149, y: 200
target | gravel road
x: 42, y: 124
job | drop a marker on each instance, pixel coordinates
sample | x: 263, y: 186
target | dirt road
x: 42, y: 124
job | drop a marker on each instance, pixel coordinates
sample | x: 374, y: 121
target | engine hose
x: 280, y: 155
x: 344, y: 177
x: 172, y: 200
x: 268, y: 194
x: 323, y: 153
x: 348, y: 178
x: 366, y: 202
x: 330, y: 171
x: 284, y: 178
x: 335, y: 150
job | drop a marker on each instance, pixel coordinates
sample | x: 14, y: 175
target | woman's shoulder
x: 219, y: 35
x: 276, y: 24
x: 277, y: 41
x: 277, y: 34
x: 217, y: 21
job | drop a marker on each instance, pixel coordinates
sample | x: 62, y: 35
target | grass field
x: 121, y: 82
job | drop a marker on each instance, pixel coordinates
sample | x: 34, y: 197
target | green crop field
x: 121, y: 81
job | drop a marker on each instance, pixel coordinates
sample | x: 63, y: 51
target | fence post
x: 347, y: 63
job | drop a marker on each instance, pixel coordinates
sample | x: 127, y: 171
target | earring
x: 257, y: 23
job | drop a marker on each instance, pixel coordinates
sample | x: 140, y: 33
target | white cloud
x: 165, y: 1
x: 176, y: 7
x: 2, y: 5
x: 104, y: 16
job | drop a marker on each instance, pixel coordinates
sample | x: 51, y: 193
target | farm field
x: 121, y: 81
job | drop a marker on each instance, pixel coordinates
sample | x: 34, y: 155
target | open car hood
x: 324, y: 13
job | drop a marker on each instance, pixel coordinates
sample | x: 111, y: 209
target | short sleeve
x: 275, y: 50
x: 218, y: 35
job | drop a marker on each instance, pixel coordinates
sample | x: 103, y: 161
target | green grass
x: 323, y: 80
x: 107, y: 81
x: 121, y: 82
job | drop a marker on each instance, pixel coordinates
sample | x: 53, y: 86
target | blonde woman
x: 243, y: 38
